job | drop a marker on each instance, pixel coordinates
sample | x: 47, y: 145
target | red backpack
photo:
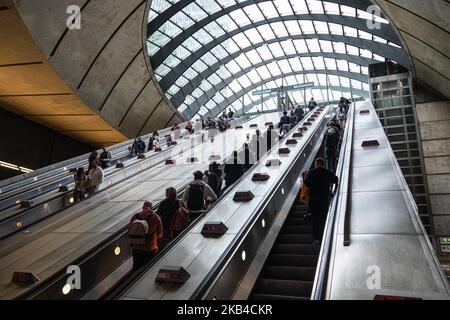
x: 180, y: 220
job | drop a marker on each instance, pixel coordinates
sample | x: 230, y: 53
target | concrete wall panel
x: 440, y: 203
x: 434, y: 111
x: 140, y: 110
x: 437, y: 165
x: 436, y: 148
x: 439, y: 184
x: 442, y: 225
x: 113, y: 62
x: 160, y: 117
x: 435, y: 130
x: 126, y: 91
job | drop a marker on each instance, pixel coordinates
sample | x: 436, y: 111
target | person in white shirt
x: 197, y: 126
x: 95, y: 178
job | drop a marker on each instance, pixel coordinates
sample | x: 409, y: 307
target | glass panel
x: 293, y: 27
x: 243, y: 62
x: 283, y: 7
x: 315, y: 6
x: 239, y: 17
x: 268, y: 10
x: 300, y: 45
x: 313, y: 45
x: 331, y: 8
x: 208, y: 58
x: 319, y: 64
x: 342, y: 65
x: 326, y: 46
x: 254, y: 13
x: 266, y: 32
x: 264, y: 52
x: 321, y: 27
x: 214, y: 29
x: 279, y: 29
x: 209, y: 6
x: 348, y: 11
x: 199, y: 66
x: 202, y: 36
x: 307, y: 63
x: 253, y: 56
x: 296, y: 65
x: 307, y: 26
x: 284, y: 66
x: 254, y: 36
x: 288, y: 47
x: 191, y: 44
x: 299, y: 6
x: 264, y: 72
x: 219, y: 52
x: 241, y: 40
x: 335, y: 28
x: 159, y: 39
x: 276, y: 50
x: 195, y: 12
x: 182, y: 20
x: 227, y: 23
x: 181, y: 52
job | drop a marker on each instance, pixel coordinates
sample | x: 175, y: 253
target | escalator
x: 290, y: 268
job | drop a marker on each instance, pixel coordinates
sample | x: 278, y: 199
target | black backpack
x: 195, y: 201
x: 331, y: 137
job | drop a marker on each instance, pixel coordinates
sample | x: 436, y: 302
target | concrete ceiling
x: 30, y: 87
x: 425, y: 29
x: 95, y: 83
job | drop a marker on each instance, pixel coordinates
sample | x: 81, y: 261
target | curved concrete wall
x: 105, y: 62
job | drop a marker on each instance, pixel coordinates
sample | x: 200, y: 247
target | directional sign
x: 281, y: 89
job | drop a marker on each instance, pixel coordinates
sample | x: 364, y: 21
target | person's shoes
x: 316, y: 242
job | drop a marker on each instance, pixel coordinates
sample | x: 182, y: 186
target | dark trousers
x: 319, y: 212
x: 141, y: 258
x: 330, y: 158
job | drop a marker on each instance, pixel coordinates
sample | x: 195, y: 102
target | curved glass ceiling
x: 210, y: 54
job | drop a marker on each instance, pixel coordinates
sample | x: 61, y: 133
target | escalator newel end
x: 243, y: 196
x: 303, y: 129
x: 363, y: 112
x: 170, y: 161
x: 253, y: 125
x: 214, y: 157
x: 119, y: 165
x: 172, y: 274
x: 63, y: 188
x: 264, y: 176
x: 73, y: 170
x: 25, y: 203
x: 311, y: 119
x: 191, y: 160
x: 269, y: 123
x: 284, y: 151
x: 141, y: 156
x: 173, y: 143
x: 158, y: 149
x: 307, y: 123
x: 273, y: 162
x: 297, y: 135
x: 214, y: 229
x: 24, y: 278
x: 370, y: 143
x: 238, y: 127
x: 291, y: 141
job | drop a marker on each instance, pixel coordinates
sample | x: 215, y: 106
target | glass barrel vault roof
x: 209, y: 55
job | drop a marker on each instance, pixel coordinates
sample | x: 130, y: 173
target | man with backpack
x: 144, y: 230
x: 197, y: 193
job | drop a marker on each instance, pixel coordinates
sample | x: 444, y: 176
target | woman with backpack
x: 167, y: 211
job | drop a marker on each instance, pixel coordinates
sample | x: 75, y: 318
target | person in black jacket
x: 233, y: 170
x: 166, y: 211
x: 318, y: 181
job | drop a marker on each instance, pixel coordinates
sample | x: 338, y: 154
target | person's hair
x: 320, y: 162
x: 285, y: 112
x: 235, y: 154
x: 271, y: 127
x: 171, y: 193
x: 80, y: 171
x: 198, y: 175
x: 147, y: 204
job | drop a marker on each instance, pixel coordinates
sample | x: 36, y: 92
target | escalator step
x: 297, y: 222
x: 289, y: 273
x: 298, y: 230
x: 276, y: 297
x: 285, y: 287
x: 312, y: 249
x: 291, y: 260
x: 295, y: 238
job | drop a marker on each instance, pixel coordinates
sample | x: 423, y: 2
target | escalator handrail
x: 327, y: 239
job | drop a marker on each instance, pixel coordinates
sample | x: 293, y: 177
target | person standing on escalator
x: 144, y: 231
x: 319, y: 181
